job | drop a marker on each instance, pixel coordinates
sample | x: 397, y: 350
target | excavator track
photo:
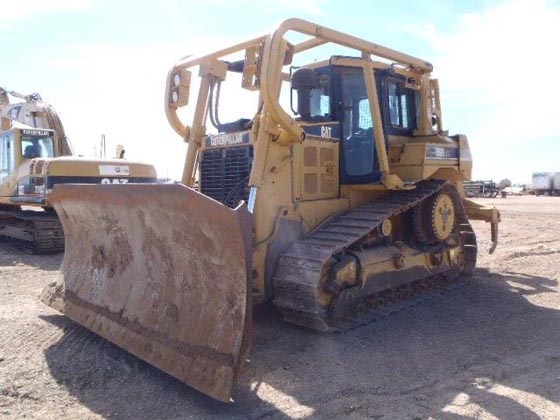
x: 36, y: 232
x: 302, y: 266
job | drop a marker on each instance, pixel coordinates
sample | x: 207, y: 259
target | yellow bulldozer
x: 35, y: 155
x: 337, y: 190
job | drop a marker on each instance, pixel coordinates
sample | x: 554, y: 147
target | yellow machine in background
x: 338, y: 185
x: 35, y: 155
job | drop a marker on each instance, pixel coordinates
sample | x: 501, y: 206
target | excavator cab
x: 19, y: 145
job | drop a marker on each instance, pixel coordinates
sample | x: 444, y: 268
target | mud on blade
x: 161, y: 271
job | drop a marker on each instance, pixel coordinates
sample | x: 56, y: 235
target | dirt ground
x: 488, y: 350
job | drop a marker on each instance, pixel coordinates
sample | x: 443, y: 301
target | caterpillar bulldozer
x: 337, y: 189
x: 35, y: 154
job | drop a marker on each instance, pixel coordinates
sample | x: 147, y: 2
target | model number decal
x: 114, y: 181
x: 440, y: 152
x: 122, y: 170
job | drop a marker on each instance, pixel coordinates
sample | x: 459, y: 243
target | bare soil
x: 487, y: 350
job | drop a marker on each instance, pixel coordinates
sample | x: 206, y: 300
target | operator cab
x: 21, y: 143
x: 337, y: 94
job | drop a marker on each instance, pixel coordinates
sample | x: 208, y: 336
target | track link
x: 35, y: 232
x: 302, y: 266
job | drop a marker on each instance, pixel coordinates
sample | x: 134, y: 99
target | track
x: 300, y: 269
x: 37, y: 232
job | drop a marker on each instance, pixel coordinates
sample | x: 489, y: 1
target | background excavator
x: 35, y: 154
x: 339, y: 192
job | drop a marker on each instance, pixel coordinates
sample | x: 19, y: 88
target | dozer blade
x: 161, y: 271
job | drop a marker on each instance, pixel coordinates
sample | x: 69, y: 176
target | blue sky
x: 103, y: 65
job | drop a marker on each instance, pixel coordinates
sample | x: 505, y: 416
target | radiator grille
x: 224, y: 174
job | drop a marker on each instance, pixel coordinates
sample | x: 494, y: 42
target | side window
x: 313, y: 89
x: 402, y: 104
x: 357, y: 114
x: 320, y: 102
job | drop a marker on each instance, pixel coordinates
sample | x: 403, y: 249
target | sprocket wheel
x: 435, y: 218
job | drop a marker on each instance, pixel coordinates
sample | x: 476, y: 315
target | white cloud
x: 498, y: 65
x: 15, y: 10
x: 312, y: 7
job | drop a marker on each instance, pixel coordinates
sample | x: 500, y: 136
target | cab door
x: 358, y: 157
x: 7, y: 161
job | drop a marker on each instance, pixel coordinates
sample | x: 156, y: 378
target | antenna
x: 103, y: 147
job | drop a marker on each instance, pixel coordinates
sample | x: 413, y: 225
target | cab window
x: 402, y: 106
x: 33, y: 147
x: 320, y: 104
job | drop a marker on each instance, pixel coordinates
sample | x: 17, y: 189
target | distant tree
x: 504, y: 183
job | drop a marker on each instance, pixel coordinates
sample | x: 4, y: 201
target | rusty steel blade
x: 161, y: 271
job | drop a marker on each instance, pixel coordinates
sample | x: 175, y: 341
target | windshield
x: 35, y: 146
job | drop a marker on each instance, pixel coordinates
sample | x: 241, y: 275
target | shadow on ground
x: 410, y: 365
x: 11, y: 255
